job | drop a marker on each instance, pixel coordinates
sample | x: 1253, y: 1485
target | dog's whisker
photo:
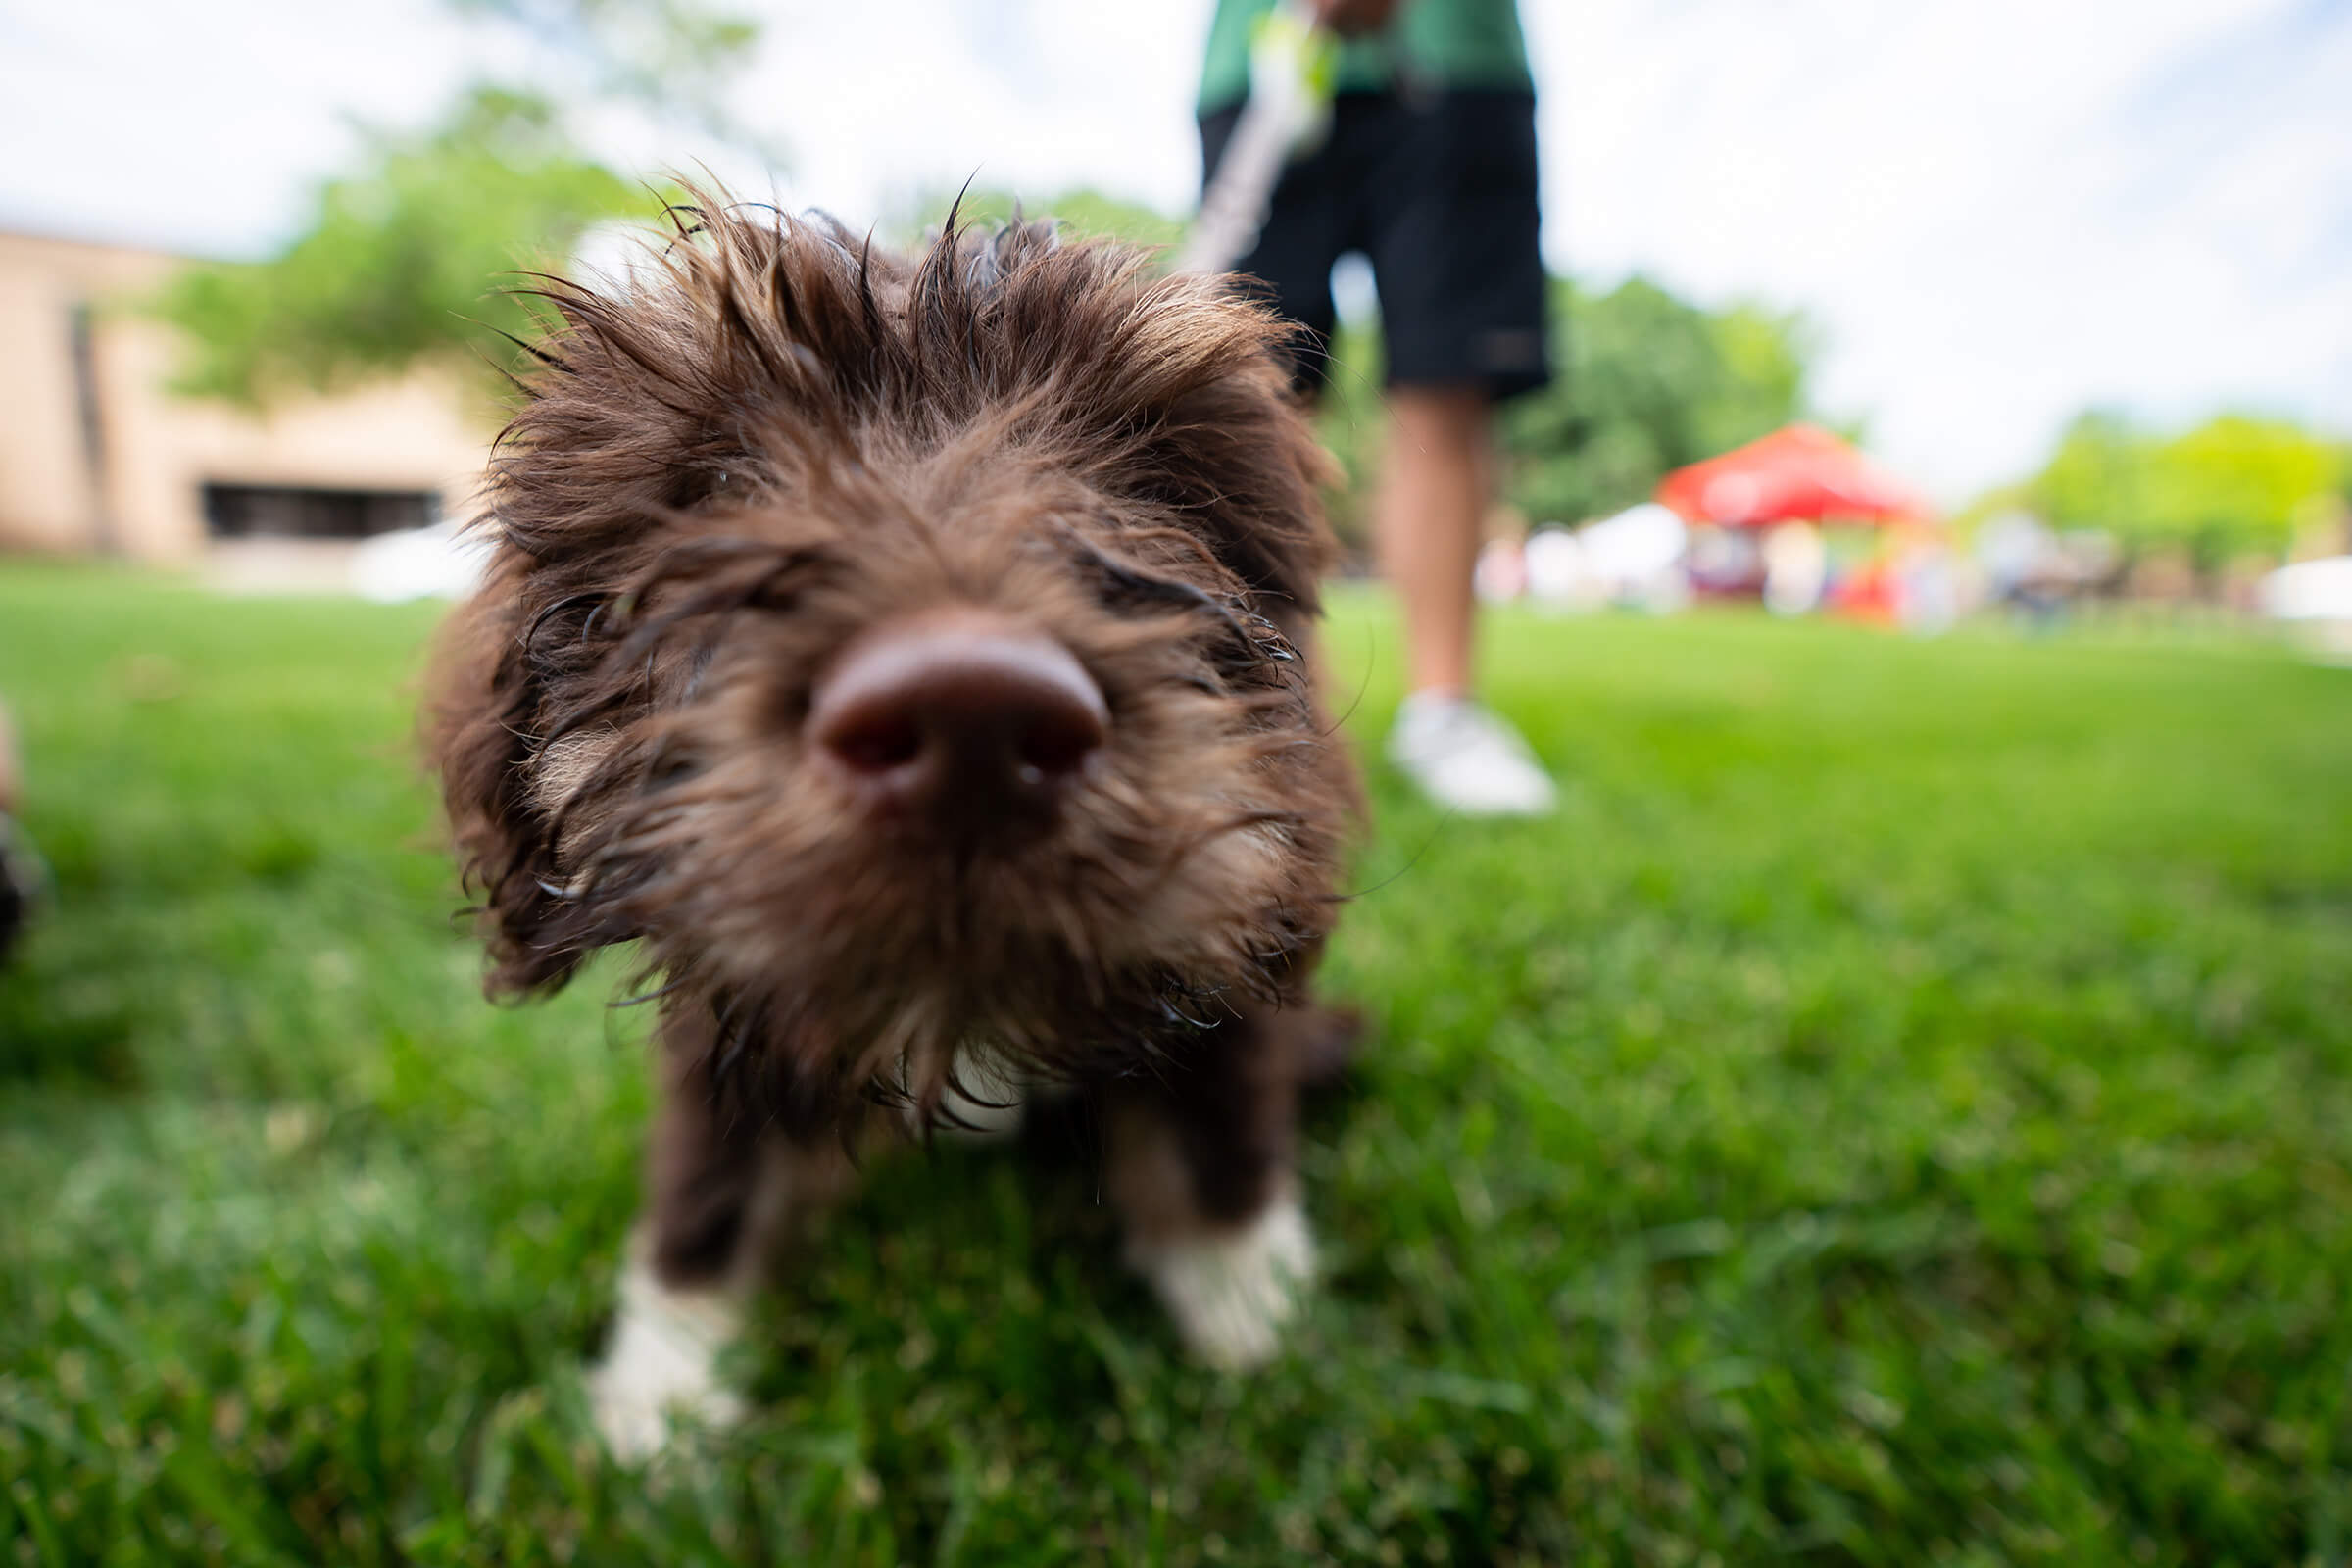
x: 638, y: 999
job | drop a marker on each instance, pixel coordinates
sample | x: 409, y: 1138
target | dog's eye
x: 675, y: 766
x: 1124, y: 587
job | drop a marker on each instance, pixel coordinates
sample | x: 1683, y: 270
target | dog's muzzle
x: 962, y: 721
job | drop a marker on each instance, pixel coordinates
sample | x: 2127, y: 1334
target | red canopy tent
x: 1801, y: 472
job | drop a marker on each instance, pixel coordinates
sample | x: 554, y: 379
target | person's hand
x: 1347, y: 17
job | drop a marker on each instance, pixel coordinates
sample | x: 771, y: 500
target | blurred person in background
x: 1428, y: 170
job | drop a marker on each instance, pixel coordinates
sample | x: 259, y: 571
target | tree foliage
x: 2234, y: 484
x: 402, y: 260
x: 410, y: 256
x: 1645, y: 382
x: 1083, y: 212
x: 671, y: 56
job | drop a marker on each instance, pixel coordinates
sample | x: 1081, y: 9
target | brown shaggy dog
x: 913, y: 656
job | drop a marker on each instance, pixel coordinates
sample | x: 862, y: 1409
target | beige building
x: 97, y: 457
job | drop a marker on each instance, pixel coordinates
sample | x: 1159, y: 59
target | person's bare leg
x: 1433, y: 498
x: 1439, y: 480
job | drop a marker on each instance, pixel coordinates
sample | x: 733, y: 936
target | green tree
x: 1646, y: 382
x: 2234, y: 484
x: 409, y: 259
x: 1083, y: 212
x: 671, y: 56
x: 401, y: 260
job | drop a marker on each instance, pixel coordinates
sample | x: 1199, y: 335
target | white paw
x: 661, y: 1365
x: 1230, y: 1294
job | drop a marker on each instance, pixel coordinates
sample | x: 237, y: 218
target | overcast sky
x: 1995, y: 211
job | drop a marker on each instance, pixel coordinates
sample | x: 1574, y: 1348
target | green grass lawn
x: 1900, y: 1111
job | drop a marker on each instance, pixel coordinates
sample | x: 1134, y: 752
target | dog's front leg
x: 722, y: 1190
x: 1199, y: 1163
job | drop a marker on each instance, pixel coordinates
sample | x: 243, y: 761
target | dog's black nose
x: 962, y: 716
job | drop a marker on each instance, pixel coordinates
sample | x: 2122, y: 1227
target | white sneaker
x: 1464, y: 757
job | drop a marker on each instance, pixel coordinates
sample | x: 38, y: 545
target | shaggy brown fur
x: 780, y: 439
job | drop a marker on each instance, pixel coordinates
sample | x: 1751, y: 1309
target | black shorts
x: 1439, y: 192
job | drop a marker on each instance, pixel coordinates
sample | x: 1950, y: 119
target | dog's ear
x: 1239, y: 452
x: 481, y: 711
x: 1181, y: 395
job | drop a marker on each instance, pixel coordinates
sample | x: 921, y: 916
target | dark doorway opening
x: 287, y: 511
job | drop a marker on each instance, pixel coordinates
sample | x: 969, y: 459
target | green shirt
x: 1436, y: 43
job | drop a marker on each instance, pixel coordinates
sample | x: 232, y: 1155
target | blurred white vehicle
x: 439, y: 562
x: 1554, y: 567
x: 1633, y: 558
x: 2316, y: 597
